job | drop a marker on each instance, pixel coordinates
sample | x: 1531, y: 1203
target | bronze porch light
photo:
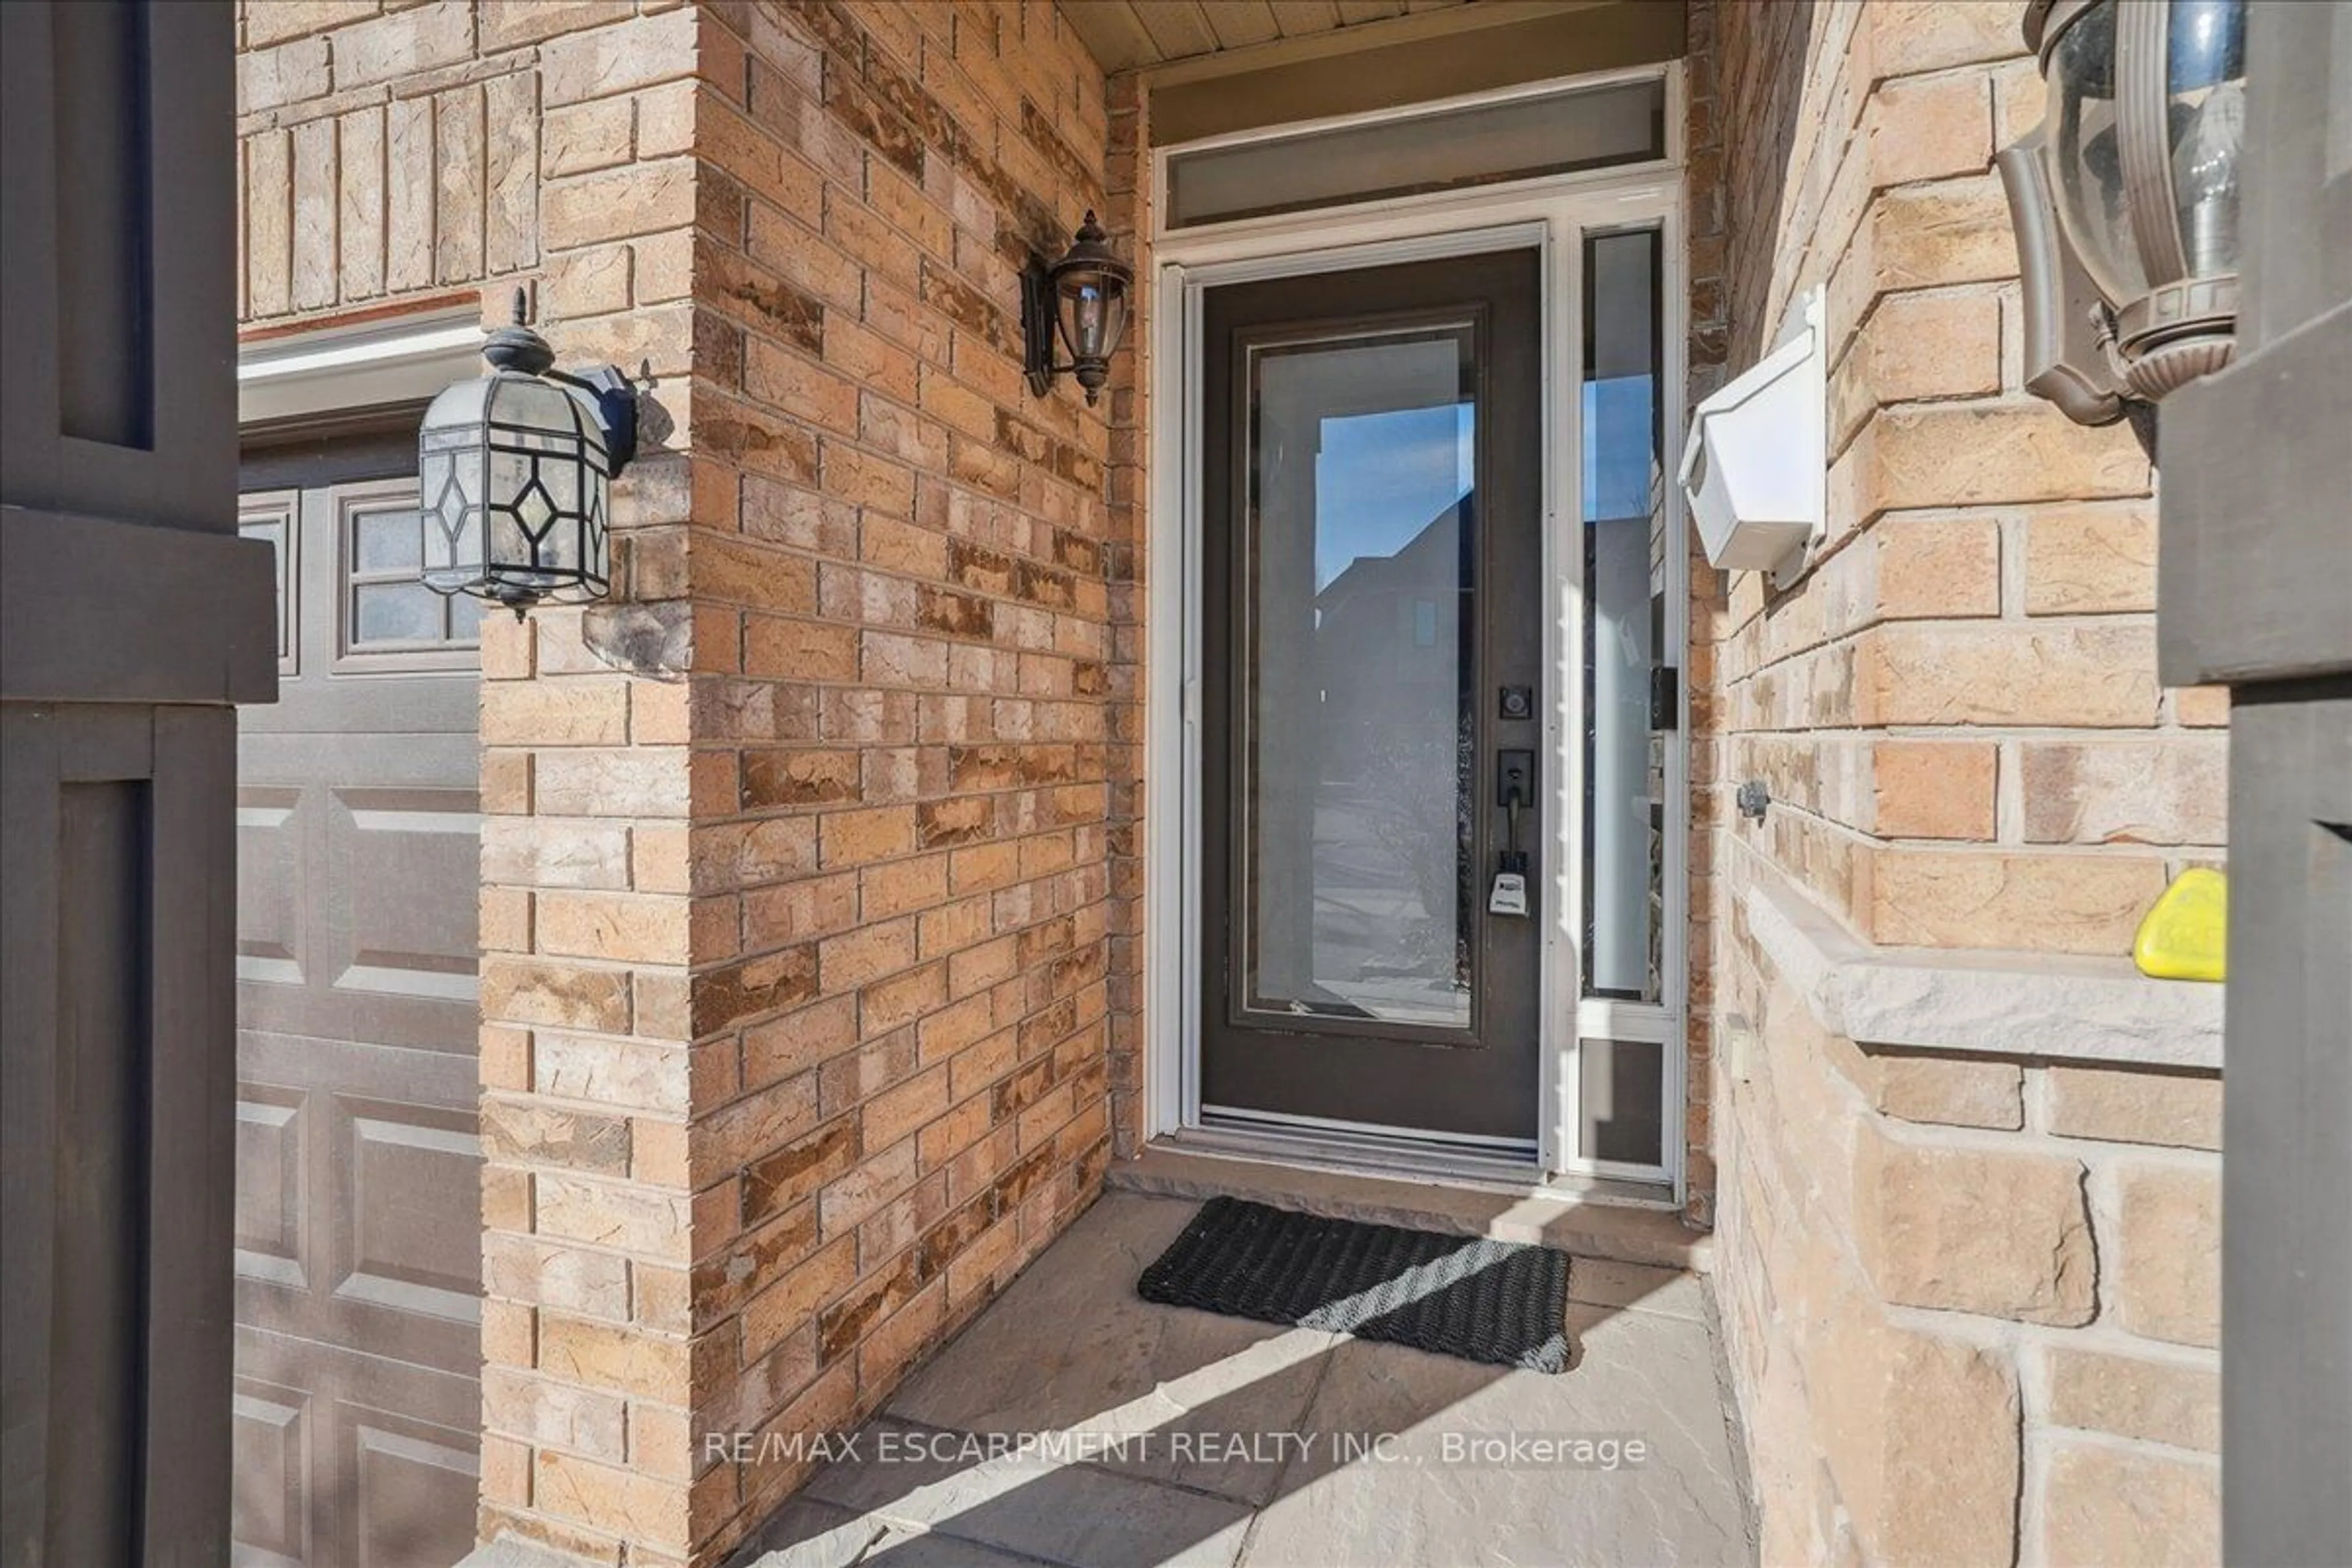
x: 2126, y: 199
x: 1083, y: 297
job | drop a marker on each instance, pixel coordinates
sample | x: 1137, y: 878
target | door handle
x: 1514, y: 779
x: 1515, y: 786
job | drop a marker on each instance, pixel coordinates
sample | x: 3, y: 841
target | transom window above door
x: 1522, y: 136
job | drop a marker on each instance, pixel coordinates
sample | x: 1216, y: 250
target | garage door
x: 359, y: 1230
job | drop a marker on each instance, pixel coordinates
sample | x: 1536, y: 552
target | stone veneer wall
x: 1968, y: 1300
x: 1972, y: 1298
x: 797, y: 875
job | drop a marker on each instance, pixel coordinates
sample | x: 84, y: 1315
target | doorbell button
x: 1518, y: 702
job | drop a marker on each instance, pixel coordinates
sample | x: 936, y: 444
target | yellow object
x: 2182, y: 938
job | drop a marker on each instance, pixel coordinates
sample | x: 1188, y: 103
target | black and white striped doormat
x: 1501, y: 1302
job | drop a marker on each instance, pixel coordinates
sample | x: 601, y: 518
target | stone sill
x: 1621, y: 1232
x: 2059, y: 1006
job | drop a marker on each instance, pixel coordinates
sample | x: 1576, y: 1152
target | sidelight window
x: 1630, y: 703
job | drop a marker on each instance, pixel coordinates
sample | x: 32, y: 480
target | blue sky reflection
x: 1380, y: 478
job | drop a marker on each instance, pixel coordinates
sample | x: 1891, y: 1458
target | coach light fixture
x: 2126, y: 200
x: 1084, y: 296
x: 514, y: 469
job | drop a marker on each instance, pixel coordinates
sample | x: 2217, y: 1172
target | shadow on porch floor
x: 1187, y: 1437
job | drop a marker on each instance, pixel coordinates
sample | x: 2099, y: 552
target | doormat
x: 1501, y: 1302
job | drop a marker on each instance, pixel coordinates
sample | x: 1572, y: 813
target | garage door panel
x: 418, y: 1025
x: 312, y: 1314
x: 359, y: 903
x: 272, y: 1501
x: 377, y: 705
x: 428, y: 759
x: 269, y: 884
x: 410, y: 1208
x: 384, y: 1221
x: 407, y: 861
x: 272, y: 1205
x: 443, y: 1079
x: 414, y: 1488
x: 345, y: 1457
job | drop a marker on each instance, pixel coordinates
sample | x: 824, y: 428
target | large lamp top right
x: 2139, y: 155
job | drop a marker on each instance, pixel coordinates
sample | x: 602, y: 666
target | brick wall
x: 1708, y: 209
x: 797, y: 904
x: 1953, y: 1337
x: 1129, y: 217
x: 903, y: 628
x: 395, y: 159
x: 390, y: 153
x: 1956, y: 709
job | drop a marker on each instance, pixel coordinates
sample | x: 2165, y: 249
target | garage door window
x: 391, y: 620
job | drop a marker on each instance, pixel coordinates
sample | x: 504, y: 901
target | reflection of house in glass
x: 1392, y: 658
x: 1361, y: 565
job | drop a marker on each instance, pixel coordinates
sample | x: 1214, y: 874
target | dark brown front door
x: 1372, y: 651
x: 359, y: 1192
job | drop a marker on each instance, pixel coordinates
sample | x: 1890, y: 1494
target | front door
x: 1373, y: 729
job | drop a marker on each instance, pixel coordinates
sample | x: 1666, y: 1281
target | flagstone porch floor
x: 1185, y: 1437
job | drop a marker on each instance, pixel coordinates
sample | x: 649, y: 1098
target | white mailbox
x: 1756, y: 466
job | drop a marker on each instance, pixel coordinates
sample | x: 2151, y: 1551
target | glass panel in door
x: 1359, y: 602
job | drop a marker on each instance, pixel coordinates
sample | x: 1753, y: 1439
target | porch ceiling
x: 1218, y: 66
x: 1127, y: 35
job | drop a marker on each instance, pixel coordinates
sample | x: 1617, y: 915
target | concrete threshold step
x: 1581, y: 1227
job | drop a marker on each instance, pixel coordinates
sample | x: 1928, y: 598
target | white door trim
x: 1551, y: 217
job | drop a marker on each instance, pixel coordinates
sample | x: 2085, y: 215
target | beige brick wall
x: 399, y: 158
x: 1708, y: 206
x: 1954, y: 1332
x: 904, y: 629
x: 798, y: 908
x: 1957, y: 709
x: 393, y: 153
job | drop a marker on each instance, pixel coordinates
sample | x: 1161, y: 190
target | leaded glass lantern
x: 514, y: 475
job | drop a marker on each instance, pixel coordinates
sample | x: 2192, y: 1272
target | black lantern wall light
x: 1083, y: 298
x: 2126, y: 200
x: 514, y: 471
